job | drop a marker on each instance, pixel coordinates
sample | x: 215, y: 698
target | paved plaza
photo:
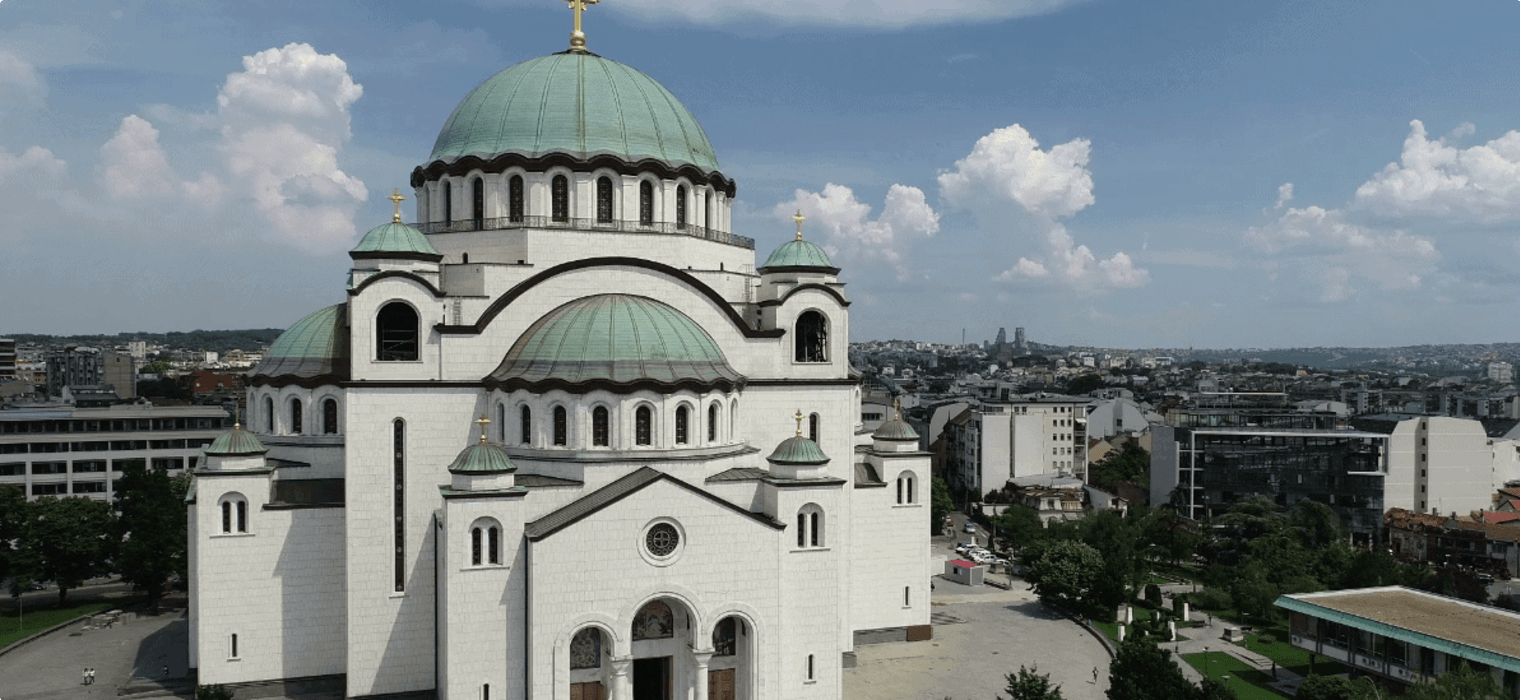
x: 128, y: 655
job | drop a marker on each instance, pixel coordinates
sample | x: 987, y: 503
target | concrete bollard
x: 1171, y: 630
x: 1185, y: 611
x: 1129, y: 615
x: 1121, y: 634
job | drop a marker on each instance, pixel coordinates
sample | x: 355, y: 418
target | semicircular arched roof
x: 315, y: 347
x: 799, y: 254
x: 617, y: 342
x: 575, y: 103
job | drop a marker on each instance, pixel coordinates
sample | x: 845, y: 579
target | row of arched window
x: 653, y: 621
x: 234, y: 514
x: 607, y: 202
x: 602, y: 432
x: 485, y: 544
x: 297, y: 418
x: 906, y: 492
x: 810, y: 527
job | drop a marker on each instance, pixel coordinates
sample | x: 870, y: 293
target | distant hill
x: 215, y: 341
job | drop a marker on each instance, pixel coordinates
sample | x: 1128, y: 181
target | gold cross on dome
x: 897, y: 407
x: 396, y: 199
x: 578, y: 37
x: 483, y: 421
x: 799, y: 218
x: 799, y: 422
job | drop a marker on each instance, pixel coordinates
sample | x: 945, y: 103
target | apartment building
x: 1033, y: 435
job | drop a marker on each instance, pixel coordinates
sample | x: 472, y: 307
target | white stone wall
x: 1461, y: 477
x: 814, y: 616
x: 890, y: 549
x: 481, y: 606
x: 278, y: 587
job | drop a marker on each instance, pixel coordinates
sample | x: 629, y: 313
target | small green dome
x: 483, y: 458
x: 575, y: 103
x: 315, y: 346
x: 239, y: 442
x: 799, y: 253
x: 615, y: 341
x: 895, y: 430
x: 395, y: 237
x: 799, y: 451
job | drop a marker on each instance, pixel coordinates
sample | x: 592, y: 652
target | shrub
x: 212, y: 692
x: 1153, y: 595
x: 1266, y: 639
x: 1211, y: 599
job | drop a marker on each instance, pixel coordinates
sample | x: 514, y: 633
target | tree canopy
x: 151, y: 527
x: 1029, y: 684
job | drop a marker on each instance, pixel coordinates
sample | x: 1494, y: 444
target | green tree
x: 1065, y: 572
x: 13, y: 554
x: 1085, y: 384
x: 68, y: 540
x: 940, y: 504
x: 1132, y: 464
x: 1214, y: 689
x: 1317, y: 687
x: 1464, y: 683
x: 1029, y: 684
x: 1143, y: 671
x: 151, y: 527
x: 1252, y: 593
x: 1018, y: 526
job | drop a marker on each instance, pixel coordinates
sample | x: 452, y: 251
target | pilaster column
x: 700, y: 682
x: 622, y: 678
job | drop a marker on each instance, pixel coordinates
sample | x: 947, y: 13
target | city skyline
x: 1277, y: 175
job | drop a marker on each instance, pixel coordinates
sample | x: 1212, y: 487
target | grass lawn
x: 38, y: 619
x: 1247, y: 682
x: 1111, y: 629
x: 1288, y: 656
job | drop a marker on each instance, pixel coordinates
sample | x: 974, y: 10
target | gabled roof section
x: 617, y: 491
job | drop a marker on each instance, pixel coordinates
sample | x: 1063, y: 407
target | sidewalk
x: 1210, y: 638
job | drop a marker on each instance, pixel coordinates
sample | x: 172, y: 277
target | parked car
x: 963, y: 547
x: 970, y: 527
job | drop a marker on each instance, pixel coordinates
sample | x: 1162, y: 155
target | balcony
x: 507, y: 223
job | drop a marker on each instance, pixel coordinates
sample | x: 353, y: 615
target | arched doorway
x: 732, y: 667
x: 663, y: 666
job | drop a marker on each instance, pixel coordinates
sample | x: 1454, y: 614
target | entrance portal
x: 651, y: 678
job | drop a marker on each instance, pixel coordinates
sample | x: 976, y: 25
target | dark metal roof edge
x: 437, y: 293
x: 648, y: 475
x: 582, y: 163
x: 801, y: 287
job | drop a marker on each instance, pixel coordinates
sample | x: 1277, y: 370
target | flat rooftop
x: 1477, y: 626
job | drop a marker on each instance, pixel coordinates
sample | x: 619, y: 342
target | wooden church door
x: 720, y: 684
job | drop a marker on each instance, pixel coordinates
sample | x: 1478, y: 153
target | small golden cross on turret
x: 799, y: 422
x: 897, y: 408
x: 483, y: 421
x: 799, y: 218
x: 578, y: 37
x: 396, y: 199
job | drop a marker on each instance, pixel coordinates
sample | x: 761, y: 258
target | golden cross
x: 483, y: 421
x: 897, y: 407
x: 799, y: 218
x: 799, y: 422
x: 578, y: 37
x: 397, y: 199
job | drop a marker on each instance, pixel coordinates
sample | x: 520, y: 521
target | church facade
x: 562, y: 438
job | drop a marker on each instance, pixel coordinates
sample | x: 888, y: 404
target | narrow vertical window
x: 907, y: 599
x: 813, y: 530
x: 448, y: 203
x: 712, y: 423
x: 681, y: 206
x: 242, y: 516
x: 269, y: 415
x: 559, y: 194
x: 642, y: 426
x: 525, y: 416
x: 683, y: 416
x: 330, y: 417
x: 475, y: 546
x: 515, y: 208
x: 227, y: 517
x: 707, y: 211
x: 813, y: 427
x: 810, y: 667
x: 646, y: 203
x: 399, y: 500
x: 234, y: 646
x: 802, y: 529
x: 295, y: 417
x: 604, y: 200
x: 912, y: 495
x: 493, y: 544
x: 501, y: 421
x: 478, y: 204
x: 599, y: 427
x: 899, y: 491
x: 485, y: 692
x: 561, y: 426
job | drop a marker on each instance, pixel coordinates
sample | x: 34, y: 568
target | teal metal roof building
x: 315, y: 346
x: 575, y: 103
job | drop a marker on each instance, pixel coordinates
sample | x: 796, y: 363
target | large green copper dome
x: 315, y: 347
x: 615, y: 341
x: 575, y: 103
x: 799, y: 254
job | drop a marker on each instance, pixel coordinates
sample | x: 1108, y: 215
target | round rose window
x: 661, y: 540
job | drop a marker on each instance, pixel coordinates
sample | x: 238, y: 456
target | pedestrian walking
x: 1095, y: 675
x: 84, y: 676
x: 92, y: 675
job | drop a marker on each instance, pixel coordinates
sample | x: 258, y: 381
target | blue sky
x: 1160, y: 174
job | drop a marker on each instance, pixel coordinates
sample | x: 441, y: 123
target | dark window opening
x: 448, y: 203
x: 396, y: 333
x: 813, y: 427
x: 227, y: 517
x: 802, y: 529
x: 813, y: 531
x: 330, y: 417
x: 561, y: 426
x: 478, y: 204
x: 712, y: 423
x: 725, y: 637
x: 682, y: 418
x: 681, y: 206
x: 268, y: 415
x: 242, y: 516
x: 398, y: 476
x: 515, y: 208
x: 599, y: 427
x: 560, y: 195
x: 812, y: 338
x: 493, y: 545
x: 604, y: 200
x: 707, y: 213
x: 646, y: 203
x: 526, y: 417
x: 295, y: 417
x: 475, y: 547
x: 642, y: 426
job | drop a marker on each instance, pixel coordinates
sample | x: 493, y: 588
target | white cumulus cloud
x: 20, y: 83
x: 1076, y: 266
x: 35, y: 163
x: 1284, y: 194
x: 1319, y: 249
x: 848, y: 229
x: 1008, y: 163
x: 1437, y: 178
x: 133, y: 166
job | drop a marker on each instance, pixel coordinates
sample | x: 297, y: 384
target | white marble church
x: 561, y: 438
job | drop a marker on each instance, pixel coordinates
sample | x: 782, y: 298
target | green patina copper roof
x: 575, y: 103
x: 798, y: 450
x: 315, y: 346
x: 895, y: 430
x: 798, y: 253
x: 395, y: 237
x: 615, y: 341
x: 237, y: 442
x: 483, y: 458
